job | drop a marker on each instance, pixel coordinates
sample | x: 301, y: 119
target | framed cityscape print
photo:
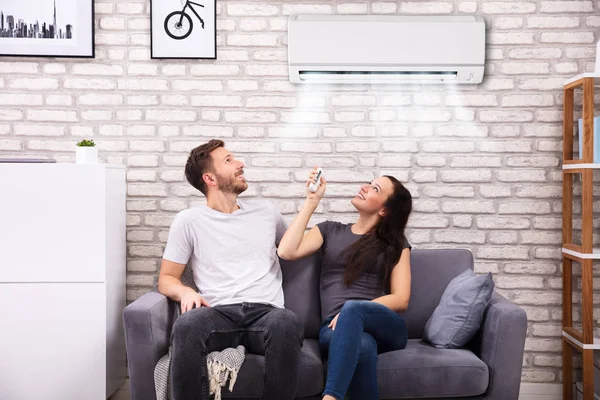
x: 183, y: 29
x: 47, y: 28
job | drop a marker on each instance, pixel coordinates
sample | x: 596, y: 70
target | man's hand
x: 190, y: 298
x: 333, y: 322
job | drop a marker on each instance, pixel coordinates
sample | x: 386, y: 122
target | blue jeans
x: 363, y: 330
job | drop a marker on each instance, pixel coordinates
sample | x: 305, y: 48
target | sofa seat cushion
x: 311, y: 380
x: 422, y: 371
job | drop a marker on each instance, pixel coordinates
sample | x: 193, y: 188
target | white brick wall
x: 482, y: 162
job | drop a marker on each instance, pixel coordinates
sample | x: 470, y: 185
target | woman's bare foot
x: 328, y: 397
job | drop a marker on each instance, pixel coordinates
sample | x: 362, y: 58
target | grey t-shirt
x: 334, y: 293
x: 233, y: 256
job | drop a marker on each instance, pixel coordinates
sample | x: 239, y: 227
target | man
x: 231, y: 245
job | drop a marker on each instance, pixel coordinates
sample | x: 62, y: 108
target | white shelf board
x: 594, y: 256
x: 585, y: 75
x: 595, y: 346
x: 581, y: 166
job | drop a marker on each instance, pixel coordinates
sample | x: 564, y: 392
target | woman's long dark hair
x: 384, y: 242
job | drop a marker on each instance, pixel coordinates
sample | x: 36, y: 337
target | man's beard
x: 231, y: 185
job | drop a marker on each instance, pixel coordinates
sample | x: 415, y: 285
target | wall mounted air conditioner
x: 386, y: 49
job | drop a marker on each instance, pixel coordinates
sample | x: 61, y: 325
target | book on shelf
x: 596, y: 133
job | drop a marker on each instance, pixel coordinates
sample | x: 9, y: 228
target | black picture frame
x: 168, y: 41
x: 83, y: 47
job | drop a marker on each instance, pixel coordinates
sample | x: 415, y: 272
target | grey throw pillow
x: 458, y: 316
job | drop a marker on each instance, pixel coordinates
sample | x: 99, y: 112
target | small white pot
x: 86, y: 155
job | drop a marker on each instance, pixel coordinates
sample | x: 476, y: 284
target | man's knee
x: 284, y: 323
x: 195, y: 322
x: 291, y: 322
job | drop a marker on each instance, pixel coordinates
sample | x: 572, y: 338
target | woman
x: 365, y: 282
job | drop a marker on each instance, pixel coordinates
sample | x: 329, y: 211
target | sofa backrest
x: 431, y: 271
x: 301, y: 292
x: 300, y: 288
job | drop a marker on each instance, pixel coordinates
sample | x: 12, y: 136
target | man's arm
x: 169, y: 280
x: 180, y: 245
x: 169, y: 284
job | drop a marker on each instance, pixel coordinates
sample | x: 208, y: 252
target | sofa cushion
x: 458, y: 316
x: 311, y: 379
x: 431, y: 271
x: 301, y: 292
x: 422, y: 371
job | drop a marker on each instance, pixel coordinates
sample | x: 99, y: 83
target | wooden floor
x: 123, y: 393
x: 529, y: 391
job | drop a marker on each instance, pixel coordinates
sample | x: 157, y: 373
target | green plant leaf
x: 86, y: 143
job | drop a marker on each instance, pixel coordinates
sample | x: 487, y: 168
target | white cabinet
x: 62, y: 281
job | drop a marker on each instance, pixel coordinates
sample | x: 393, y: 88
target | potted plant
x: 86, y: 152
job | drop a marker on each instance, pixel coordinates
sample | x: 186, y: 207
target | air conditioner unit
x: 386, y: 49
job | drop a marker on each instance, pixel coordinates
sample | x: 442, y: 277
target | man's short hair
x: 199, y: 162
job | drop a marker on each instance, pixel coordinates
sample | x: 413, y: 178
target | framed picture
x: 183, y: 29
x: 47, y: 28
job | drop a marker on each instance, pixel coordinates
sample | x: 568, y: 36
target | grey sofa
x: 489, y: 368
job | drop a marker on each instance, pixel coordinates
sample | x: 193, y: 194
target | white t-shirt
x: 233, y: 256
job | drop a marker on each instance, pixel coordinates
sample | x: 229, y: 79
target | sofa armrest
x: 148, y: 322
x: 500, y: 343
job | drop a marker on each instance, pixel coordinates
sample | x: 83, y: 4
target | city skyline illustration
x: 38, y: 19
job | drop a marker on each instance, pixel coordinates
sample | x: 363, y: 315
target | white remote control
x: 315, y: 185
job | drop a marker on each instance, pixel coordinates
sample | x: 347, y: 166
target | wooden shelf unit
x: 585, y: 254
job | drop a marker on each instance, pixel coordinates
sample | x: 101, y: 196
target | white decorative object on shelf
x: 86, y: 153
x: 598, y: 58
x: 62, y: 281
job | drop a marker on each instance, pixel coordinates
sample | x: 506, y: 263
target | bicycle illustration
x: 179, y: 25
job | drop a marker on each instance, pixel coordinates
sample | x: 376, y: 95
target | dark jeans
x: 363, y: 330
x: 261, y: 329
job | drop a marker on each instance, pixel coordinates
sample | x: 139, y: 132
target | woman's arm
x: 399, y: 295
x: 294, y: 243
x: 308, y: 244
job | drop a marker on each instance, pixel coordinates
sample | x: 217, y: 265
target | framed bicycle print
x: 47, y: 28
x: 183, y: 29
